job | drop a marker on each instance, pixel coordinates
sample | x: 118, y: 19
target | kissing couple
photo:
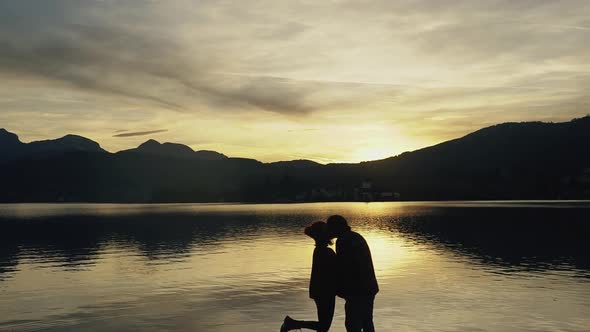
x: 347, y: 273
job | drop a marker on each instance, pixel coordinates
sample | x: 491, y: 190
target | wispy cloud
x: 140, y: 133
x: 109, y: 56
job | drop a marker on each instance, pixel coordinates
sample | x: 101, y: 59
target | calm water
x: 501, y: 266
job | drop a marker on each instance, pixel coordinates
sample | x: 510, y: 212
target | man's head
x: 337, y: 226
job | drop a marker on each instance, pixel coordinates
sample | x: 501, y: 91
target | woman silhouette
x: 322, y: 284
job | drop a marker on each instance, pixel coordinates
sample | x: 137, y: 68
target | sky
x: 330, y: 81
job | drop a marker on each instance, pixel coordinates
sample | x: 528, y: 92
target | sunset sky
x: 330, y: 81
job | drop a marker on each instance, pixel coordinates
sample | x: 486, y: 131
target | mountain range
x: 11, y: 148
x: 527, y: 160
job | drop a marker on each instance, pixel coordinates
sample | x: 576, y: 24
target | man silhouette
x: 357, y: 281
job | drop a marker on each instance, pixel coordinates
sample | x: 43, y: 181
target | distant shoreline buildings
x: 366, y: 191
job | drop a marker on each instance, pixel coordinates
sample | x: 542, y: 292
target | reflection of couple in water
x: 348, y: 273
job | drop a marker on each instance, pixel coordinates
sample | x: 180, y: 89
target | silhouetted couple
x: 348, y: 273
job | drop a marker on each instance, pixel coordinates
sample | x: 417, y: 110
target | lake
x: 442, y: 266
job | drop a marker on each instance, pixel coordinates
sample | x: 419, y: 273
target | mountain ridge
x: 178, y: 149
x: 11, y: 147
x: 526, y: 160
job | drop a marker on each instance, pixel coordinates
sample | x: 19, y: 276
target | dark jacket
x: 355, y: 266
x: 323, y: 273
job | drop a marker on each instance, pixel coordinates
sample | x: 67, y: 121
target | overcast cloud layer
x: 329, y: 81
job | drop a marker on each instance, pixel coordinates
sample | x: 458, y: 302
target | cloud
x: 112, y: 57
x: 184, y: 55
x: 140, y: 133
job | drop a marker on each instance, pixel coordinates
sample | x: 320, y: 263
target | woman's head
x: 319, y: 232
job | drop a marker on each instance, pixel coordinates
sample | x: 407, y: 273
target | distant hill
x: 524, y: 160
x: 153, y: 147
x: 528, y: 160
x: 11, y: 148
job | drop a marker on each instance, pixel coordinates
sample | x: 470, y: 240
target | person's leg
x: 368, y: 314
x: 307, y: 324
x: 325, y: 308
x: 353, y: 318
x: 301, y: 324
